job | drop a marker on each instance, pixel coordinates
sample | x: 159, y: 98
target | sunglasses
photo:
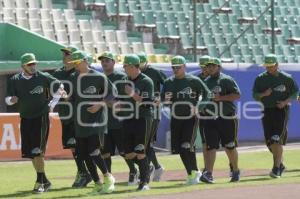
x: 176, y: 67
x: 66, y: 53
x: 31, y: 64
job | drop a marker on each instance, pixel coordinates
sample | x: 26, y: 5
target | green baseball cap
x: 178, y: 61
x: 204, y: 60
x: 270, y: 60
x: 214, y: 60
x: 131, y: 59
x: 70, y: 49
x: 28, y: 58
x: 78, y: 56
x: 143, y: 57
x: 107, y: 55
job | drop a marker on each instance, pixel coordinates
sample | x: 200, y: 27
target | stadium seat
x: 186, y: 41
x: 23, y: 22
x: 114, y: 47
x: 149, y: 48
x: 21, y: 13
x: 34, y: 3
x: 111, y: 8
x: 74, y: 37
x: 62, y: 37
x: 125, y: 48
x: 46, y: 4
x: 9, y: 4
x: 49, y: 34
x: 59, y: 25
x: 46, y: 25
x: 137, y: 47
x: 110, y: 36
x: 84, y: 25
x: 21, y: 4
x: 98, y: 36
x: 8, y: 15
x: 121, y: 36
x: 69, y: 14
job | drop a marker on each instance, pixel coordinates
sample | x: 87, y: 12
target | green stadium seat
x: 186, y: 7
x: 138, y: 17
x: 243, y: 2
x: 226, y: 28
x: 280, y: 20
x: 160, y: 16
x: 123, y: 8
x: 111, y: 8
x: 291, y: 59
x: 199, y: 8
x: 295, y: 31
x: 176, y: 6
x: 285, y: 30
x: 278, y: 50
x: 281, y: 3
x: 291, y: 3
x: 155, y: 6
x: 215, y: 28
x: 257, y: 29
x: 183, y: 27
x: 237, y: 10
x: 242, y: 41
x: 235, y: 50
x: 219, y: 39
x: 258, y: 59
x: 171, y: 16
x: 212, y: 51
x: 208, y: 39
x: 251, y: 39
x: 281, y: 40
x: 200, y: 40
x: 165, y: 6
x: 149, y: 19
x: 262, y: 3
x: 186, y: 41
x: 255, y: 10
x: 281, y: 59
x: 172, y: 30
x: 237, y: 58
x: 145, y: 5
x: 224, y: 49
x: 229, y: 38
x: 205, y: 29
x: 297, y: 50
x: 132, y: 5
x: 161, y: 29
x: 266, y: 49
x: 284, y: 11
x: 291, y: 20
x: 233, y: 19
x: 223, y: 19
x: 207, y: 8
x: 245, y: 50
x: 236, y: 28
x: 181, y: 17
x: 287, y: 50
x: 256, y: 49
x: 214, y: 3
x: 248, y: 58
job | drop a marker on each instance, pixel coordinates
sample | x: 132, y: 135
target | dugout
x: 14, y: 42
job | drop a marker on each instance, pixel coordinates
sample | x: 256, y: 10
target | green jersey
x: 88, y: 89
x: 223, y: 85
x: 157, y: 76
x: 283, y: 87
x: 143, y: 86
x: 202, y: 77
x: 185, y: 93
x: 33, y: 93
x: 64, y: 75
x: 113, y: 122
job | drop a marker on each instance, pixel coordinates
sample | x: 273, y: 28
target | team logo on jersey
x: 145, y: 95
x: 187, y: 90
x: 90, y: 90
x: 217, y: 89
x: 280, y: 88
x: 37, y: 90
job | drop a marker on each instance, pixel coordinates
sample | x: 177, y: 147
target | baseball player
x: 68, y: 131
x: 275, y: 89
x: 221, y: 124
x: 115, y: 134
x: 137, y: 107
x: 203, y: 75
x: 30, y: 89
x: 158, y: 78
x: 182, y: 92
x: 91, y: 92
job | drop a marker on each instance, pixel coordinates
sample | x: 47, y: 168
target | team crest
x: 37, y: 90
x: 217, y: 89
x: 187, y: 90
x: 90, y: 90
x: 280, y: 88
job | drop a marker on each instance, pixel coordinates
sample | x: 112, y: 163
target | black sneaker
x: 47, y: 186
x: 38, y: 188
x: 82, y: 180
x: 133, y: 178
x: 207, y: 177
x: 282, y: 168
x: 143, y: 186
x: 235, y: 177
x: 275, y: 173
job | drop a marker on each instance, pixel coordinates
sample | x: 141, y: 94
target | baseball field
x: 255, y: 162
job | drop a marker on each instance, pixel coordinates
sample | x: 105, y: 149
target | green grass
x: 17, y: 177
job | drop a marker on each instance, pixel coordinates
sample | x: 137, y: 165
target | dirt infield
x: 288, y: 191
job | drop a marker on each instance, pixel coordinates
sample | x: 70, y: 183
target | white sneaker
x: 157, y: 174
x: 193, y: 178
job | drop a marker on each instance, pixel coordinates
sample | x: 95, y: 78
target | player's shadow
x: 267, y: 178
x: 18, y: 194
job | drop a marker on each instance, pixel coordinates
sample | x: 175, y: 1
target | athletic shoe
x: 282, y: 168
x: 235, y: 177
x: 82, y: 181
x: 47, y: 186
x: 143, y: 186
x: 109, y: 184
x: 193, y: 178
x: 230, y: 170
x: 157, y: 174
x: 97, y: 188
x: 275, y: 173
x: 207, y: 177
x: 133, y: 178
x: 151, y: 171
x: 76, y: 181
x: 38, y: 188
